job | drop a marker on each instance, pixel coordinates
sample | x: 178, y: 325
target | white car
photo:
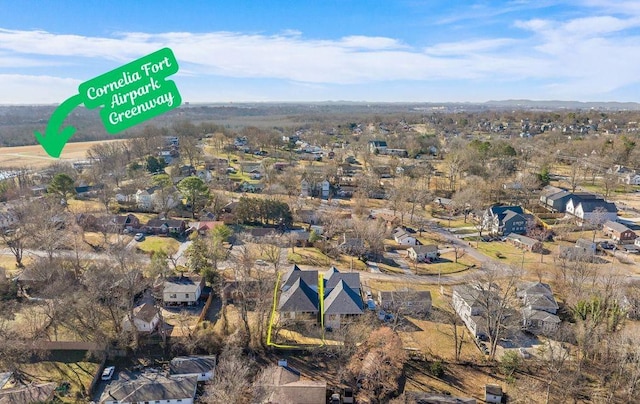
x: 107, y: 374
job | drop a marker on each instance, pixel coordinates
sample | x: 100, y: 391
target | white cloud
x: 25, y: 89
x: 585, y: 55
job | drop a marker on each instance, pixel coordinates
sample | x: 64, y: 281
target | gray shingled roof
x: 295, y: 273
x: 145, y: 389
x: 183, y: 365
x: 619, y: 227
x: 300, y: 298
x: 145, y: 312
x: 182, y: 284
x: 342, y: 300
x: 423, y: 249
x: 332, y: 277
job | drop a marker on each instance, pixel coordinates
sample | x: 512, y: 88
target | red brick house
x: 619, y: 233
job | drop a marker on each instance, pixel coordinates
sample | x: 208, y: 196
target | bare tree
x: 231, y: 381
x: 495, y: 295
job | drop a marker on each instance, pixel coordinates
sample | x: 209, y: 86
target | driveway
x: 179, y: 255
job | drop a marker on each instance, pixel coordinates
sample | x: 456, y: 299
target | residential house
x: 377, y: 146
x: 325, y: 187
x: 8, y: 216
x: 258, y: 233
x: 204, y: 175
x: 403, y: 237
x: 421, y: 253
x: 503, y: 220
x: 539, y: 308
x: 557, y: 202
x: 166, y: 227
x: 524, y: 242
x: 305, y: 188
x: 146, y: 318
x: 153, y: 199
x: 286, y: 385
x: 201, y: 367
x: 588, y: 208
x: 151, y: 388
x: 340, y: 303
x: 144, y: 200
x: 299, y: 301
x: 619, y: 233
x: 389, y: 219
x: 492, y: 393
x: 418, y: 301
x: 470, y: 303
x: 32, y: 393
x: 585, y: 246
x: 310, y: 278
x: 182, y: 290
x: 300, y: 298
x: 333, y: 277
x: 631, y: 179
x: 125, y: 222
x: 204, y: 227
x: 549, y: 191
x: 351, y: 245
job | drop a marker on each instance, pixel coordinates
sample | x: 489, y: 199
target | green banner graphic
x: 129, y: 95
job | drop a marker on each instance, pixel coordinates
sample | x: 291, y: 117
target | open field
x: 36, y: 157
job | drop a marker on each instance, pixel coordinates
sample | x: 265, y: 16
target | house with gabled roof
x: 333, y: 276
x: 200, y: 366
x: 503, y: 220
x: 145, y: 319
x: 342, y: 302
x: 619, y: 233
x: 421, y: 253
x: 587, y: 207
x: 182, y: 290
x: 295, y: 273
x: 300, y: 295
x: 151, y: 388
x: 32, y: 393
x: 403, y: 237
x: 539, y: 308
x: 299, y: 301
x: 524, y: 242
x: 468, y: 304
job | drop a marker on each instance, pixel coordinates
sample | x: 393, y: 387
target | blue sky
x: 330, y: 50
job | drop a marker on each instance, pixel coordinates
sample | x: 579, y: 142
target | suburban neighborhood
x: 416, y: 258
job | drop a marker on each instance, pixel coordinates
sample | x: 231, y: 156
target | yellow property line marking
x: 273, y: 316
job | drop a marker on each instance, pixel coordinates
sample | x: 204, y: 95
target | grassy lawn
x: 436, y: 339
x: 78, y: 374
x: 509, y: 254
x: 155, y: 243
x: 448, y: 266
x: 314, y: 257
x: 77, y: 206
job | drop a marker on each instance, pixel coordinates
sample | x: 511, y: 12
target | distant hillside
x: 553, y: 105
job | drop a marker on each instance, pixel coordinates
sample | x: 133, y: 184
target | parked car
x: 139, y: 237
x: 371, y: 305
x: 107, y: 373
x: 347, y: 395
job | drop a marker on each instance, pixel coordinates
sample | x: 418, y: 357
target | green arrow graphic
x: 53, y: 142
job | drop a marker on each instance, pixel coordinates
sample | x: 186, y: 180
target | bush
x: 436, y: 368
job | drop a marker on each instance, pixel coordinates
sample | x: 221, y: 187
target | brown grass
x: 35, y: 156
